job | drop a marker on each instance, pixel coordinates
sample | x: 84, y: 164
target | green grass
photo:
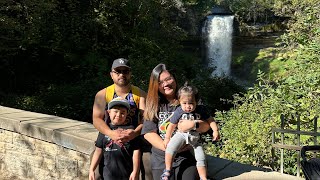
x: 270, y: 60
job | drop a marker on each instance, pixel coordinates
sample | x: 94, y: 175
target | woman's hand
x: 165, y: 142
x: 185, y: 125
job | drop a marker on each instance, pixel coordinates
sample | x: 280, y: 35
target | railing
x: 297, y: 147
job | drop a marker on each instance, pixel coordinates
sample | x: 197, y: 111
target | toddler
x: 188, y: 110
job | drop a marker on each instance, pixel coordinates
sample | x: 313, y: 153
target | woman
x: 161, y: 102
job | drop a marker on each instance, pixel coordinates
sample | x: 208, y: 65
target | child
x: 188, y: 110
x: 121, y: 161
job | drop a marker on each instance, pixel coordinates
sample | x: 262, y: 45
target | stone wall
x: 40, y: 146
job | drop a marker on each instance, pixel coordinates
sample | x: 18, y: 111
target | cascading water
x: 217, y: 32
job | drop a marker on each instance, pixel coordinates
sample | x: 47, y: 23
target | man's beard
x: 123, y: 82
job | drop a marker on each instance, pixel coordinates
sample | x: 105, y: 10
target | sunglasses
x: 124, y: 72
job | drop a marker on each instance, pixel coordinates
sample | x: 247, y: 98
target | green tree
x: 246, y: 128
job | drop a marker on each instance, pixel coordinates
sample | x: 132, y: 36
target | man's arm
x: 142, y: 106
x: 130, y: 134
x: 98, y: 113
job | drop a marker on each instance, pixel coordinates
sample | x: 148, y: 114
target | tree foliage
x: 246, y: 129
x: 55, y: 55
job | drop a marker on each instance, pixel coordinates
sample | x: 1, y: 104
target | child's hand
x: 91, y: 175
x: 165, y: 142
x: 133, y: 176
x: 215, y: 136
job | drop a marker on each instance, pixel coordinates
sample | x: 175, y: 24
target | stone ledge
x: 72, y: 134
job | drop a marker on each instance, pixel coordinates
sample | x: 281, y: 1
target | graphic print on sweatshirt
x: 164, y: 121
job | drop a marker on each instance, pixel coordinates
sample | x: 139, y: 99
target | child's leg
x: 202, y: 170
x: 175, y: 143
x: 201, y: 161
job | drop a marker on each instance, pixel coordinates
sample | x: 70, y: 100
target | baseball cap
x: 120, y: 62
x: 118, y: 101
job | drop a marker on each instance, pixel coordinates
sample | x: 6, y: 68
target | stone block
x: 6, y: 110
x: 49, y: 164
x: 83, y: 168
x: 75, y: 155
x: 50, y: 150
x: 68, y: 175
x: 2, y: 163
x: 80, y: 138
x: 42, y: 128
x: 11, y: 118
x: 5, y: 136
x: 44, y: 174
x: 67, y: 163
x: 16, y: 162
x: 35, y: 161
x: 5, y: 147
x: 24, y: 144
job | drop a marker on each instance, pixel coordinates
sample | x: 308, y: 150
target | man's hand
x: 123, y: 135
x: 127, y: 135
x: 117, y: 135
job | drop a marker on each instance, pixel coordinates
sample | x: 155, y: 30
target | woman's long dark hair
x: 154, y: 97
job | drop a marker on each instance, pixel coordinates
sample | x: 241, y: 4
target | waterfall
x: 217, y: 32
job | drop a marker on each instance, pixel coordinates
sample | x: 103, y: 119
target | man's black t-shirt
x: 118, y: 162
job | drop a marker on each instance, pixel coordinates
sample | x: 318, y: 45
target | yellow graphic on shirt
x: 164, y: 125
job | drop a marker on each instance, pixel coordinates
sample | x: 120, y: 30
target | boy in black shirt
x: 121, y: 160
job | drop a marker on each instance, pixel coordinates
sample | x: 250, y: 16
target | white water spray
x: 218, y: 33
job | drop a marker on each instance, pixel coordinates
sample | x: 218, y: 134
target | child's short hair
x: 119, y: 101
x: 188, y: 89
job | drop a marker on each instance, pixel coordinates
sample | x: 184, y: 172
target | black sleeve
x: 136, y: 143
x: 148, y: 126
x: 176, y: 116
x: 202, y: 110
x: 99, y: 141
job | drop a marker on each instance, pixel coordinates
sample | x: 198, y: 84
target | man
x: 121, y: 75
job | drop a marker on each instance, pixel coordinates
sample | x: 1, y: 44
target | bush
x: 246, y: 130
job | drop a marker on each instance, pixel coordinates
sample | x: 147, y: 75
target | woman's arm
x: 204, y: 125
x: 155, y: 140
x: 187, y: 125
